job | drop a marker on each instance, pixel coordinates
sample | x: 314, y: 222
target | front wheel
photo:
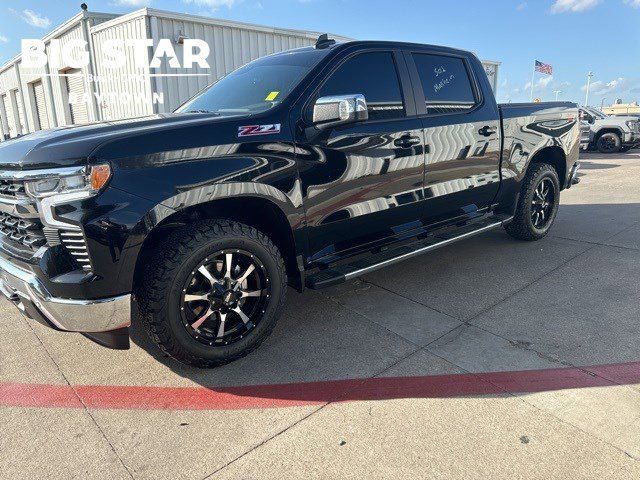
x: 537, y: 205
x: 214, y: 293
x: 609, y: 143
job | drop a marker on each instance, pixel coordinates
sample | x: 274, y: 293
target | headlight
x: 65, y: 186
x: 84, y: 183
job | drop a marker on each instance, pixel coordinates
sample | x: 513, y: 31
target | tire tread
x: 519, y: 228
x: 158, y: 276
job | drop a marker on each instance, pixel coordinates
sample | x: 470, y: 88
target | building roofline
x: 152, y: 12
x: 60, y: 30
x: 120, y: 19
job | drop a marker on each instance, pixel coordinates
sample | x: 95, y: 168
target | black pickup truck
x: 305, y: 168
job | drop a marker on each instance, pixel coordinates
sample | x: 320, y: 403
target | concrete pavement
x: 488, y: 358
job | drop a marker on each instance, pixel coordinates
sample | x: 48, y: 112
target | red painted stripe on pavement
x: 313, y: 393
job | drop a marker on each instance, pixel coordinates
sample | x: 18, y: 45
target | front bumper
x: 23, y: 289
x: 631, y: 139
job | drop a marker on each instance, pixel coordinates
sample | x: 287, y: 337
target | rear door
x: 462, y: 135
x: 362, y: 183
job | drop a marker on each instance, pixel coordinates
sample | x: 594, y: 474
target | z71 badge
x: 249, y: 130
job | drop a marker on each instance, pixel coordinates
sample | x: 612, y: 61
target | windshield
x: 257, y: 86
x: 596, y: 113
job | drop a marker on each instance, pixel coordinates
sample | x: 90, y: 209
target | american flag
x: 544, y: 68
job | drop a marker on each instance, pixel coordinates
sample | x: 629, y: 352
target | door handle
x: 406, y: 141
x: 487, y: 131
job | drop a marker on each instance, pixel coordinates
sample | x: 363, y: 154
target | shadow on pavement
x: 575, y: 316
x: 586, y: 165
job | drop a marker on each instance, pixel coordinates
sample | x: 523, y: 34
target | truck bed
x: 529, y: 127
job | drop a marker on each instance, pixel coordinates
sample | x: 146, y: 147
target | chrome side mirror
x: 339, y: 110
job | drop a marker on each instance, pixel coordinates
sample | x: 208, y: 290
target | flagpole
x: 533, y: 76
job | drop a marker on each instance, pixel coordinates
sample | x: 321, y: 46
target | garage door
x: 9, y: 112
x: 75, y: 93
x: 41, y: 105
x: 18, y: 98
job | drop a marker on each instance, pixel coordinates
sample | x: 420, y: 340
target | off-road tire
x: 522, y: 226
x: 609, y: 143
x: 160, y: 293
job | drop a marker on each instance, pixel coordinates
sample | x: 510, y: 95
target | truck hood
x: 71, y: 146
x: 615, y: 121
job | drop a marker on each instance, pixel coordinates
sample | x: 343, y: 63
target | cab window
x: 445, y: 82
x: 373, y: 75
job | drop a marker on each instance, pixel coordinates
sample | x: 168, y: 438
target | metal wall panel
x: 8, y: 79
x: 15, y: 76
x: 75, y: 86
x: 9, y: 83
x: 491, y: 69
x: 21, y: 121
x: 7, y: 111
x: 27, y: 77
x: 58, y: 68
x: 129, y: 80
x: 41, y: 110
x: 231, y: 47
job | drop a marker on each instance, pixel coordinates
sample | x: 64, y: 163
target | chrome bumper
x: 23, y: 289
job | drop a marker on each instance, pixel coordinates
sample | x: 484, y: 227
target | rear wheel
x: 537, y: 204
x: 214, y: 294
x: 609, y: 143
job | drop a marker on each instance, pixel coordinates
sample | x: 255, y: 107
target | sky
x: 574, y: 36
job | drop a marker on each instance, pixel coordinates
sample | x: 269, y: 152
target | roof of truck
x: 393, y: 44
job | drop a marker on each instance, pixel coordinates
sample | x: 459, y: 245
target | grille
x: 10, y: 188
x: 23, y: 236
x: 25, y: 232
x: 73, y: 240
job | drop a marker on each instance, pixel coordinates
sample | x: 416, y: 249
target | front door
x: 363, y: 183
x: 462, y: 136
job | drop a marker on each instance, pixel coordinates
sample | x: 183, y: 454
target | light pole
x: 557, y: 92
x: 586, y: 97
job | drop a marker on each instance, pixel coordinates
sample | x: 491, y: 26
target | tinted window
x: 257, y: 86
x: 445, y: 83
x: 373, y: 75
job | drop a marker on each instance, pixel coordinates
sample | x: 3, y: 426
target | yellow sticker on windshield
x: 271, y: 97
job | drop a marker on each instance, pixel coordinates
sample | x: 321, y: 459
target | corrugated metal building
x: 34, y: 99
x: 37, y: 98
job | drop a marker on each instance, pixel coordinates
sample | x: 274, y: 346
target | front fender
x: 173, y: 206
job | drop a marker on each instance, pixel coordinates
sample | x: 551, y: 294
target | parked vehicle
x: 611, y: 134
x: 306, y: 168
x: 585, y: 135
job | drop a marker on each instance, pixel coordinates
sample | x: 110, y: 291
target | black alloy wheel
x: 543, y: 203
x: 224, y: 297
x: 609, y: 143
x: 537, y: 205
x: 212, y: 292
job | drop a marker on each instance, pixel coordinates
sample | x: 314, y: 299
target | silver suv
x: 609, y: 134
